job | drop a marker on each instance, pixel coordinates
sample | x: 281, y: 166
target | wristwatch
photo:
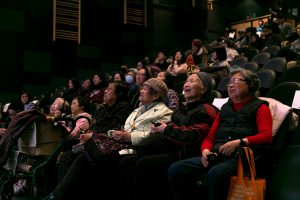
x: 242, y: 143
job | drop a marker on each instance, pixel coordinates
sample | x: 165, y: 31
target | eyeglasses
x: 235, y: 81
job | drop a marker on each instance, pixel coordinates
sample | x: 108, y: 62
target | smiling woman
x: 244, y: 120
x: 168, y: 142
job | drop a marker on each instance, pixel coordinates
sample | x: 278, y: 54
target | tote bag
x: 243, y: 187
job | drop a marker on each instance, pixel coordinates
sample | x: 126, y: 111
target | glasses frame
x: 235, y: 81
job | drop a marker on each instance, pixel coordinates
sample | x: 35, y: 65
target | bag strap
x: 240, y: 171
x: 251, y: 162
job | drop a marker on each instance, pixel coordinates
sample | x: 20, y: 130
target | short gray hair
x: 250, y: 77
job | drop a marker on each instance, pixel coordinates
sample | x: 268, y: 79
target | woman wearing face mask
x: 132, y: 86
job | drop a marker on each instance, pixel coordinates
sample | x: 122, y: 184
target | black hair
x: 221, y: 53
x: 82, y: 102
x: 169, y: 79
x: 121, y: 90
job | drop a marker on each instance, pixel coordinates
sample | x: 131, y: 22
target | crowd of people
x: 163, y: 114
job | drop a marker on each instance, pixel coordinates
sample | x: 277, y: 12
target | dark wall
x: 30, y: 60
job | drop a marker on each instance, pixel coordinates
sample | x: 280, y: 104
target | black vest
x: 236, y: 125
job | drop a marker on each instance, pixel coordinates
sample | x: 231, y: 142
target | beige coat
x: 139, y: 127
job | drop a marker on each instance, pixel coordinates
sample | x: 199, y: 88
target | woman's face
x: 253, y: 39
x: 24, y: 98
x: 70, y: 84
x: 86, y: 84
x: 141, y: 77
x: 56, y: 106
x: 110, y: 96
x: 145, y: 96
x: 161, y: 76
x: 178, y: 55
x: 117, y: 77
x: 76, y: 108
x: 193, y: 88
x: 238, y: 88
x: 96, y: 80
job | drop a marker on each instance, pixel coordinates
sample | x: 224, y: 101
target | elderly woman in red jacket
x: 243, y: 120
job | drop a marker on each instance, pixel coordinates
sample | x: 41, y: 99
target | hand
x: 229, y: 147
x: 85, y: 137
x: 57, y: 113
x: 204, y: 157
x: 158, y: 129
x: 116, y: 135
x: 121, y: 136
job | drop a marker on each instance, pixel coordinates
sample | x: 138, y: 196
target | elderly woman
x: 82, y: 119
x: 171, y: 141
x: 114, y: 110
x: 136, y: 127
x: 244, y: 120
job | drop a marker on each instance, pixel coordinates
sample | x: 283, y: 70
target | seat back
x: 222, y: 86
x: 261, y: 58
x: 239, y: 61
x: 267, y: 79
x: 250, y: 53
x: 252, y: 66
x: 291, y: 75
x: 276, y: 64
x: 284, y: 92
x: 285, y: 182
x: 273, y: 50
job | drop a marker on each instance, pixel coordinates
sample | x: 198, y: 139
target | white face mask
x: 129, y: 79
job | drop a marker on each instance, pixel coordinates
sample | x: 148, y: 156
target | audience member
x: 75, y: 167
x: 176, y: 139
x: 244, y: 120
x: 174, y: 67
x: 143, y: 74
x: 172, y: 100
x: 199, y: 53
x: 71, y: 89
x: 99, y: 85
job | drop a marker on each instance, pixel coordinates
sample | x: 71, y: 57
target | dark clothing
x: 76, y: 168
x: 273, y: 39
x: 133, y: 96
x: 70, y: 181
x: 162, y: 66
x: 146, y: 175
x: 75, y: 171
x: 190, y: 124
x: 235, y: 125
x: 111, y: 117
x: 69, y: 94
x: 184, y: 174
x: 96, y: 95
x: 134, y: 100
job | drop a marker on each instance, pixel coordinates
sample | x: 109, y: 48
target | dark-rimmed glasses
x: 235, y: 81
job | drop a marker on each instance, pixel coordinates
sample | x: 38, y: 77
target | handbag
x: 244, y: 187
x: 102, y: 145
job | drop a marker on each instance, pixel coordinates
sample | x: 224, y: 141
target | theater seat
x: 285, y: 183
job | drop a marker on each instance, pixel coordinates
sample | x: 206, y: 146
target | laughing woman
x: 244, y: 120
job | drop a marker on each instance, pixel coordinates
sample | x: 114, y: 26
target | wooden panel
x: 66, y: 20
x: 242, y: 25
